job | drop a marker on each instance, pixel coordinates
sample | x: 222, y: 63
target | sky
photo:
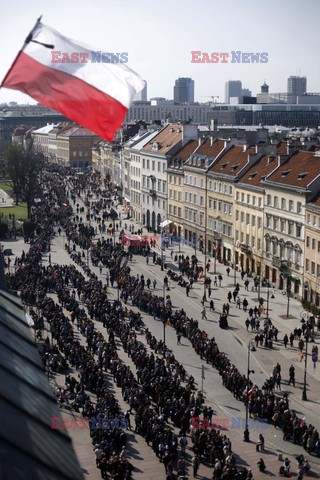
x: 159, y: 38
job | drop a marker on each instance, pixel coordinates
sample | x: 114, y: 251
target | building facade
x: 287, y: 190
x: 311, y: 284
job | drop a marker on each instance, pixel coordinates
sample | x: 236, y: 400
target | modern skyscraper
x: 296, y: 86
x: 141, y: 96
x: 183, y: 90
x: 233, y: 89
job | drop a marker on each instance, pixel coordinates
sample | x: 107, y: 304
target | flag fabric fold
x: 95, y: 95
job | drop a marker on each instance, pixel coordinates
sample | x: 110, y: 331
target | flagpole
x: 27, y: 40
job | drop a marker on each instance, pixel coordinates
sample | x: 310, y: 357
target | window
x: 210, y: 185
x: 194, y: 198
x: 229, y: 231
x: 299, y: 207
x: 267, y: 245
x: 248, y: 219
x: 314, y: 221
x: 298, y: 229
x: 201, y: 183
x: 242, y: 217
x: 153, y: 165
x: 318, y: 270
x: 253, y: 220
x: 318, y: 247
x: 186, y: 179
x: 313, y: 244
x: 170, y: 193
x: 230, y: 190
x: 275, y: 202
x: 201, y: 218
x: 283, y: 226
x: 210, y: 202
x: 159, y: 169
x: 275, y: 223
x: 185, y: 196
x: 237, y: 235
x: 248, y: 198
x: 313, y: 268
x: 237, y: 214
x: 308, y: 241
x: 268, y: 221
x: 148, y: 164
x: 190, y: 197
x: 268, y: 199
x: 242, y: 237
x: 307, y: 265
x: 253, y: 200
x: 247, y: 239
x: 237, y: 196
x: 291, y: 205
x: 201, y: 201
x: 259, y: 222
x: 215, y: 186
x: 219, y: 206
x: 309, y: 218
x: 253, y: 242
x: 260, y: 202
x: 195, y: 216
x: 194, y: 181
x: 242, y: 197
x: 283, y: 204
x: 170, y: 208
x: 220, y: 187
x: 230, y: 209
x: 259, y: 244
x: 290, y: 228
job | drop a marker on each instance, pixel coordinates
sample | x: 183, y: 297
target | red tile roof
x: 233, y: 160
x: 300, y: 170
x: 211, y: 150
x: 77, y: 131
x: 169, y: 136
x: 257, y: 173
x: 206, y: 150
x: 187, y: 150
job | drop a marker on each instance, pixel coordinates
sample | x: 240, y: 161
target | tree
x: 13, y: 166
x: 23, y: 167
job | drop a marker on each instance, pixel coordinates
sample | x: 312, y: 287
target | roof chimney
x: 244, y: 148
x: 211, y: 141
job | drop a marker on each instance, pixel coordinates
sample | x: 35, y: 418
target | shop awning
x: 165, y: 223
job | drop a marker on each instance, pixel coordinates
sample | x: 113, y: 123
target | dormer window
x: 285, y: 173
x: 252, y: 175
x: 223, y: 165
x: 302, y: 175
x: 234, y: 167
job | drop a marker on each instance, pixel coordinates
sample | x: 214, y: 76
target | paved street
x: 233, y: 341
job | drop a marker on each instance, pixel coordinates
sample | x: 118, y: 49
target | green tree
x: 23, y: 167
x: 13, y: 167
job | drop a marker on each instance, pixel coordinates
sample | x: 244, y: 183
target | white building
x: 155, y: 155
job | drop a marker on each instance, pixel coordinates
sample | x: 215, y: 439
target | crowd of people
x: 158, y: 393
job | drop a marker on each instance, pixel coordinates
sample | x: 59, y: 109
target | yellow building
x: 312, y: 252
x: 176, y: 187
x: 248, y: 215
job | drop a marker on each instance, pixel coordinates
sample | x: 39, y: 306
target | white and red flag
x: 95, y: 95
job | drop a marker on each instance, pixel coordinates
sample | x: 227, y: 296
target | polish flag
x: 97, y: 96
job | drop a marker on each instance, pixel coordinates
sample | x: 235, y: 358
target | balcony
x: 153, y: 192
x: 276, y: 262
x: 245, y: 248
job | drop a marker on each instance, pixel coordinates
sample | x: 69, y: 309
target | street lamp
x: 268, y: 286
x: 251, y: 347
x: 164, y: 319
x: 304, y: 392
